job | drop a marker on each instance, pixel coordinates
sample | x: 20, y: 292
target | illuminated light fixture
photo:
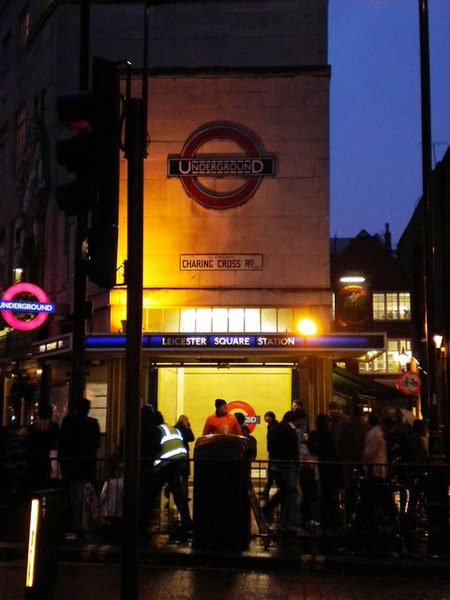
x: 352, y: 279
x: 307, y: 327
x: 438, y: 340
x: 403, y: 359
x: 32, y: 538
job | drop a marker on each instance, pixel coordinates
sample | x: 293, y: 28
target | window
x: 387, y: 362
x: 391, y: 306
x: 219, y: 320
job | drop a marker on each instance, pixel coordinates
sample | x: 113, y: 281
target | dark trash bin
x: 221, y: 500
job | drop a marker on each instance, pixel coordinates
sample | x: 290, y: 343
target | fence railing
x: 336, y: 507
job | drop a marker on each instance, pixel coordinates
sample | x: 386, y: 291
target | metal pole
x: 134, y: 152
x: 429, y: 241
x: 79, y: 278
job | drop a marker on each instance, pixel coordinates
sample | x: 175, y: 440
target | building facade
x: 236, y: 208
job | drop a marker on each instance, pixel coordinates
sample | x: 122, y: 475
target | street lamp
x: 403, y: 360
x: 307, y: 327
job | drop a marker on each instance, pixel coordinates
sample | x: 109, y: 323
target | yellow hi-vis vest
x: 172, y: 446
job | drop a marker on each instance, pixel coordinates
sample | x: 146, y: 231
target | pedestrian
x: 221, y: 421
x: 184, y: 427
x: 286, y: 452
x: 417, y: 457
x: 271, y: 420
x: 42, y: 443
x: 336, y: 421
x: 164, y: 456
x: 350, y: 450
x: 325, y: 450
x: 251, y: 448
x: 376, y: 495
x: 78, y: 444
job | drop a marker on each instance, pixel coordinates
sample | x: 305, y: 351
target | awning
x: 349, y: 384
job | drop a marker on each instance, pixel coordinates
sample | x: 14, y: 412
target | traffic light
x: 93, y: 155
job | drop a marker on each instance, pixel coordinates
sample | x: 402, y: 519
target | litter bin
x: 221, y: 500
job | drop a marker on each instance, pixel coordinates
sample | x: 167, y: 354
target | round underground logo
x: 191, y: 166
x: 25, y: 306
x: 251, y: 418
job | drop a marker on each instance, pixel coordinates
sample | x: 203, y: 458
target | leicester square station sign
x: 251, y: 165
x: 25, y: 306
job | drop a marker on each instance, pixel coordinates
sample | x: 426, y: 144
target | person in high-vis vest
x: 167, y: 463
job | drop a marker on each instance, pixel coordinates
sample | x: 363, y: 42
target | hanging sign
x: 190, y: 166
x: 409, y: 382
x: 25, y: 306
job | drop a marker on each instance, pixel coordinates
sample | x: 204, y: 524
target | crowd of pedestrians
x: 311, y: 468
x: 330, y: 461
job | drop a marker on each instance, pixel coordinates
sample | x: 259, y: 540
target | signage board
x: 221, y: 262
x: 261, y: 341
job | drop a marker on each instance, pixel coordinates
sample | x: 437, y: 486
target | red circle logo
x: 239, y: 405
x: 251, y: 166
x: 34, y: 291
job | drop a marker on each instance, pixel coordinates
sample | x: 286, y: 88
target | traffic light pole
x: 76, y: 390
x: 134, y: 152
x: 429, y: 241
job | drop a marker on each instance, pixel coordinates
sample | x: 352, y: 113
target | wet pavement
x: 91, y: 582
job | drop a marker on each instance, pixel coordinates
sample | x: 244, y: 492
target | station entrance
x: 191, y: 390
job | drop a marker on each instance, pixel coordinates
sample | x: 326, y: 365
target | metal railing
x: 337, y: 507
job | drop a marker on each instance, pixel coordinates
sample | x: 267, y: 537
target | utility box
x: 221, y: 499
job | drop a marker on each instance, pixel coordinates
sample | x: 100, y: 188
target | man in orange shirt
x: 222, y: 421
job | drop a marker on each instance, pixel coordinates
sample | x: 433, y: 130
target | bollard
x: 45, y: 535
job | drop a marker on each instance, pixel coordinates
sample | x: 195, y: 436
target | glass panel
x: 219, y: 320
x: 392, y: 306
x: 252, y: 319
x: 285, y: 320
x: 269, y: 320
x: 187, y: 319
x: 152, y: 319
x: 236, y: 319
x: 203, y: 321
x: 379, y: 312
x: 404, y: 305
x: 171, y: 319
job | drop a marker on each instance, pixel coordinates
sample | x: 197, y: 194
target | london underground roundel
x: 238, y: 405
x: 191, y: 165
x: 25, y: 306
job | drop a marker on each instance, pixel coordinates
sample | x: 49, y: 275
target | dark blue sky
x: 376, y: 168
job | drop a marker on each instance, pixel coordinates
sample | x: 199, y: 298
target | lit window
x: 391, y: 306
x: 387, y: 362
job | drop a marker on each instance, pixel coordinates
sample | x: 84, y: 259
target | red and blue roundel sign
x: 191, y: 166
x: 25, y: 306
x: 251, y: 419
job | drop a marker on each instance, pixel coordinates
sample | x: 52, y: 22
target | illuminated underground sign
x: 190, y: 166
x: 195, y: 342
x: 25, y: 306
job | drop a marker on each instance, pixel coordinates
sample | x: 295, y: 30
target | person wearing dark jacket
x: 184, y: 427
x: 78, y: 444
x: 272, y: 422
x: 42, y: 440
x: 286, y: 453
